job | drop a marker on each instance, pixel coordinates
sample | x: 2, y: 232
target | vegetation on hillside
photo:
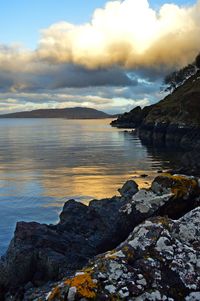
x: 181, y: 106
x: 178, y: 77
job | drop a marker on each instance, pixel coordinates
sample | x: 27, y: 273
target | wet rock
x: 129, y: 189
x: 156, y: 262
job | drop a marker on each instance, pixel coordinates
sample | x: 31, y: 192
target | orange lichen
x: 164, y: 221
x: 182, y: 186
x: 114, y: 297
x: 129, y: 253
x: 84, y: 284
x: 55, y: 294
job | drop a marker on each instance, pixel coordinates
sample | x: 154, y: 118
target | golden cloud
x: 128, y: 33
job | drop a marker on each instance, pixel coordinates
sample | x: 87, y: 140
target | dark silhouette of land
x: 68, y: 113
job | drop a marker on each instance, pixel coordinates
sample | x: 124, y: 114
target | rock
x: 171, y: 195
x: 158, y: 261
x: 42, y: 253
x: 191, y: 161
x: 185, y: 190
x: 39, y: 253
x: 144, y: 176
x: 181, y: 186
x: 132, y: 119
x: 128, y: 189
x: 146, y: 202
x: 172, y: 122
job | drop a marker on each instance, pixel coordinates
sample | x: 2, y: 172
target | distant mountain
x: 68, y: 113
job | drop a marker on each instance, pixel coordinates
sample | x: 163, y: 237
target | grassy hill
x: 182, y: 106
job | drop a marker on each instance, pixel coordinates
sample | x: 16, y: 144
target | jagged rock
x: 158, y: 261
x: 129, y: 189
x: 39, y: 253
x: 131, y: 119
x: 171, y: 195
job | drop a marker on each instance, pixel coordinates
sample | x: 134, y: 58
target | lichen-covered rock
x: 158, y: 261
x: 42, y: 253
x: 39, y: 253
x: 185, y: 190
x: 180, y: 185
x: 146, y: 201
x: 171, y: 195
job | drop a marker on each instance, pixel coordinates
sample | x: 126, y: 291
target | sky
x: 108, y: 55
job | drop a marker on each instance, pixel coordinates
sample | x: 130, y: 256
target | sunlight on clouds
x: 126, y: 33
x: 33, y: 101
x: 122, y: 39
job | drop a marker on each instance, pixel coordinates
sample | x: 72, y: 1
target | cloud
x: 122, y: 37
x: 126, y: 33
x: 109, y: 99
x: 20, y: 71
x: 114, y: 62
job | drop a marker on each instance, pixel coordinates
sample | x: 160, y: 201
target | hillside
x: 180, y: 107
x: 174, y: 121
x: 69, y: 113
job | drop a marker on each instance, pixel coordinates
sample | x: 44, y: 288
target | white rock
x: 124, y: 292
x: 193, y: 296
x: 145, y: 200
x: 72, y: 293
x: 110, y: 288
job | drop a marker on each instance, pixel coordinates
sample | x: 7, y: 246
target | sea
x: 45, y: 162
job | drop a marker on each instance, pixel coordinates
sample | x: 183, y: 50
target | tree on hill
x: 197, y: 61
x: 177, y: 78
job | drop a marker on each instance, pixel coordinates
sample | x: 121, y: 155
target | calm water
x: 44, y: 162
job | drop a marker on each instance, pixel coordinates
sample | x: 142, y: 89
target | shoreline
x: 41, y: 253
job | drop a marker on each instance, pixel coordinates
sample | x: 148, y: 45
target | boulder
x: 158, y: 261
x: 129, y: 189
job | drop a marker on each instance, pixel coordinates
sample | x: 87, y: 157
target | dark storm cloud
x: 74, y: 76
x: 41, y: 76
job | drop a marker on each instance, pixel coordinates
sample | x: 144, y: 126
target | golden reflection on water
x: 43, y: 163
x: 91, y: 182
x: 62, y: 159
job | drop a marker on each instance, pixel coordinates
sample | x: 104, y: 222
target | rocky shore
x: 173, y: 122
x: 142, y: 245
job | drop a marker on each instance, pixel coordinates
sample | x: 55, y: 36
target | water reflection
x: 44, y: 162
